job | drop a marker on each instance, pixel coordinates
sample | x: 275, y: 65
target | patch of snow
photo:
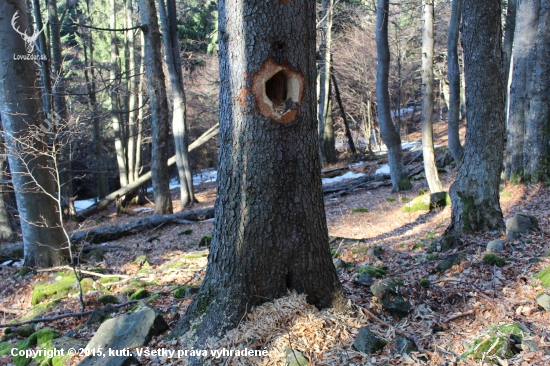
x: 6, y: 263
x: 403, y: 111
x: 17, y: 264
x: 413, y: 145
x: 384, y: 169
x: 205, y: 176
x: 348, y: 175
x: 83, y: 204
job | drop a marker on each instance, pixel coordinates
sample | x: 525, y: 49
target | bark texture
x: 390, y: 135
x: 428, y: 97
x: 270, y: 234
x: 507, y: 47
x: 523, y: 66
x: 453, y: 71
x: 475, y: 193
x: 159, y: 107
x: 43, y: 238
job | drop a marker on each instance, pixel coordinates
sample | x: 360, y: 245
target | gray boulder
x: 367, y: 342
x: 544, y: 301
x: 387, y: 292
x: 448, y: 242
x: 402, y: 345
x: 495, y: 246
x: 449, y: 261
x: 295, y: 357
x: 522, y: 223
x: 340, y: 264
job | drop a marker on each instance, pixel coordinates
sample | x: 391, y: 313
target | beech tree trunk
x: 159, y: 107
x: 328, y: 143
x: 537, y: 124
x: 475, y: 193
x: 6, y: 231
x: 507, y: 47
x: 179, y: 128
x: 270, y: 234
x: 428, y: 97
x: 523, y: 65
x: 131, y: 81
x: 390, y: 135
x: 43, y: 238
x: 453, y: 71
x: 343, y: 112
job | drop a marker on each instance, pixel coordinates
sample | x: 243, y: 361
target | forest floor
x: 459, y: 306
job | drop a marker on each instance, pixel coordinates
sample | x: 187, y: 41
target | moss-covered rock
x: 205, y: 241
x: 142, y: 260
x: 544, y: 277
x: 96, y: 255
x: 495, y: 343
x: 367, y: 342
x: 450, y: 261
x: 374, y: 271
x: 493, y: 259
x: 522, y: 223
x: 139, y: 294
x: 424, y: 282
x: 108, y: 299
x: 185, y: 232
x: 37, y: 312
x: 180, y: 292
x: 59, y: 287
x: 428, y: 202
x: 358, y: 210
x: 107, y: 280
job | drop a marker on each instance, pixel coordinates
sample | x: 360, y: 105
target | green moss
x: 494, y: 259
x: 108, y: 299
x: 155, y: 297
x: 334, y: 253
x: 97, y: 270
x: 441, y: 170
x: 405, y: 199
x: 139, y: 294
x: 404, y: 184
x: 375, y: 271
x: 23, y: 271
x: 42, y: 336
x: 432, y: 256
x: 390, y: 199
x: 424, y: 282
x: 192, y: 243
x: 487, y: 347
x: 143, y: 270
x: 427, y: 202
x: 544, y: 277
x: 177, y: 264
x: 205, y: 241
x: 402, y: 245
x: 185, y: 232
x: 180, y: 292
x: 468, y: 206
x: 359, y: 209
x: 419, y: 246
x: 57, y: 289
x: 513, y: 328
x: 142, y: 260
x: 422, y: 192
x: 506, y: 194
x: 194, y: 255
x: 104, y: 280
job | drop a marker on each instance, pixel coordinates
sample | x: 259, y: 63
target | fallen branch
x: 90, y: 273
x: 57, y: 317
x: 459, y: 315
x: 403, y: 334
x: 11, y: 311
x: 104, y: 203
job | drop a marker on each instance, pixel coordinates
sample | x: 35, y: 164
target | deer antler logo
x: 29, y: 40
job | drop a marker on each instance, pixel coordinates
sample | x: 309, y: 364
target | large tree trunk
x: 159, y: 107
x: 6, y: 231
x: 507, y: 48
x: 523, y: 65
x: 343, y: 112
x: 428, y: 97
x: 453, y: 71
x: 173, y: 61
x: 131, y: 81
x: 475, y: 193
x: 537, y: 124
x: 43, y: 237
x: 399, y: 178
x: 323, y: 110
x: 270, y: 234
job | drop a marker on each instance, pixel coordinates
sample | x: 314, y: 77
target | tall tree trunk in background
x: 428, y: 96
x: 44, y: 64
x: 115, y: 114
x: 270, y: 234
x: 328, y: 144
x: 141, y: 90
x: 43, y: 238
x: 537, y: 124
x: 64, y: 157
x: 173, y: 61
x: 6, y: 232
x: 324, y: 83
x: 89, y: 74
x: 399, y: 178
x: 475, y: 193
x: 159, y: 107
x: 462, y: 89
x: 527, y: 21
x: 341, y: 106
x: 131, y: 81
x: 507, y: 48
x: 453, y: 71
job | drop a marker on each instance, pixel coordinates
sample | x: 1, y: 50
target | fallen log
x: 104, y: 234
x: 104, y: 203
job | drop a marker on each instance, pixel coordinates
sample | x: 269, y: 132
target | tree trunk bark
x: 399, y: 178
x: 328, y: 143
x: 523, y: 58
x: 131, y: 81
x: 43, y: 237
x: 453, y: 71
x: 6, y: 231
x: 537, y: 125
x: 159, y: 107
x: 428, y: 97
x: 179, y: 129
x: 475, y: 193
x: 507, y: 47
x: 270, y: 234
